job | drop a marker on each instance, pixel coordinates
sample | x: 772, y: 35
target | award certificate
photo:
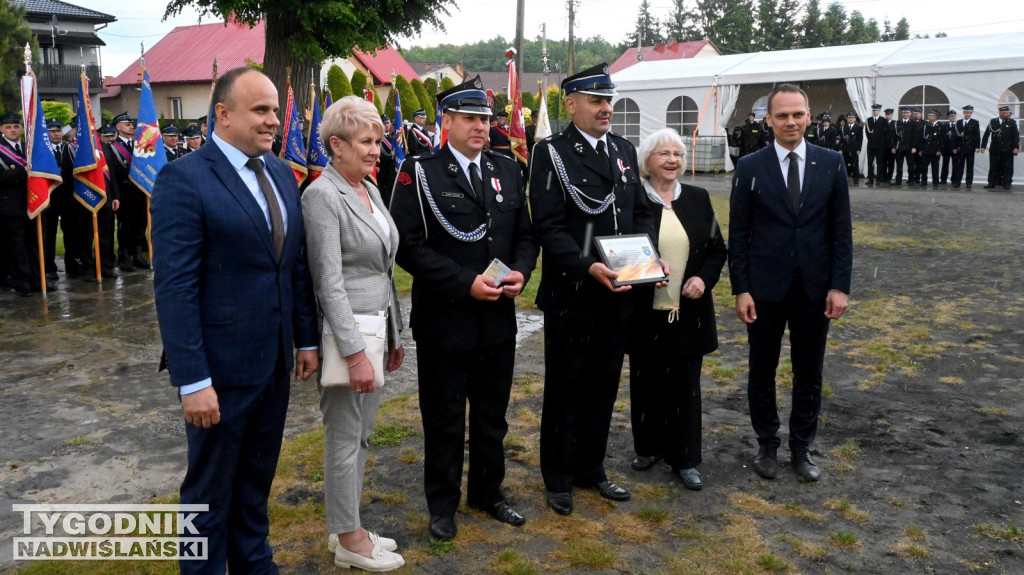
x: 633, y: 256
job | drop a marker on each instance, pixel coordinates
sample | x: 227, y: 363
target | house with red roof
x: 180, y: 68
x: 676, y: 51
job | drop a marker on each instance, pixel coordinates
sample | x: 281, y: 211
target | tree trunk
x: 278, y: 59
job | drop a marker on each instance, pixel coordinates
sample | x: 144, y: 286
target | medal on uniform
x: 622, y: 169
x: 496, y: 184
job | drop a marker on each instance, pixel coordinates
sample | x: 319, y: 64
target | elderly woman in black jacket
x: 674, y: 328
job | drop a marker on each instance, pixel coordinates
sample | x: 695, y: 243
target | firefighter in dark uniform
x: 811, y: 135
x: 584, y: 183
x: 853, y: 143
x: 874, y: 131
x: 933, y: 139
x: 416, y: 137
x: 967, y: 132
x: 752, y: 136
x: 1005, y: 136
x: 949, y: 146
x: 499, y: 135
x: 60, y: 205
x: 14, y: 222
x: 386, y: 161
x: 828, y: 137
x: 457, y: 210
x: 889, y: 152
x: 131, y: 216
x: 918, y: 143
x: 904, y: 149
x: 170, y: 136
x: 105, y: 216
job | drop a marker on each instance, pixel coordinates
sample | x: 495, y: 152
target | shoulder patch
x: 404, y: 178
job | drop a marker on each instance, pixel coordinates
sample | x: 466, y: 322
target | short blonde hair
x: 349, y: 117
x: 654, y: 141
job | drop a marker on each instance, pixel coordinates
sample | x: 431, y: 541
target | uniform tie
x: 276, y: 221
x: 17, y: 148
x: 478, y: 183
x: 793, y: 181
x: 604, y: 156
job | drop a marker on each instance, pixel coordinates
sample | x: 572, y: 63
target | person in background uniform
x: 170, y: 137
x: 811, y: 133
x: 853, y: 143
x: 131, y: 217
x: 874, y: 131
x: 204, y: 127
x: 417, y: 139
x: 735, y: 143
x: 904, y: 150
x: 949, y: 146
x: 794, y: 197
x: 968, y: 135
x: 499, y: 134
x: 193, y: 139
x: 58, y: 214
x: 14, y: 222
x: 107, y: 134
x: 828, y: 137
x: 1005, y: 136
x: 584, y: 183
x: 915, y: 160
x: 106, y: 226
x: 386, y: 161
x: 752, y: 136
x: 456, y: 211
x: 932, y: 136
x: 889, y: 154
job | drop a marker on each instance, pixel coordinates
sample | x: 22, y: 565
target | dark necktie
x: 276, y: 221
x: 793, y: 181
x: 17, y: 148
x: 478, y: 184
x: 604, y: 156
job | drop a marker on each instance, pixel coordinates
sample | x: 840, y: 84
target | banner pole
x: 96, y: 244
x: 39, y: 241
x: 149, y: 229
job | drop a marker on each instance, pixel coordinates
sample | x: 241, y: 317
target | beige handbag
x: 334, y: 370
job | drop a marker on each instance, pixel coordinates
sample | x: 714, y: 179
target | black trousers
x: 447, y: 380
x: 582, y: 367
x: 927, y: 160
x: 17, y: 271
x: 963, y: 167
x: 808, y: 330
x: 911, y: 161
x: 57, y: 214
x: 852, y: 161
x: 132, y: 218
x: 231, y: 467
x: 947, y: 159
x: 664, y: 395
x: 889, y: 161
x: 1000, y: 170
x: 876, y: 165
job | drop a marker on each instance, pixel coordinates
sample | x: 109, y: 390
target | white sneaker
x: 380, y: 560
x: 385, y: 543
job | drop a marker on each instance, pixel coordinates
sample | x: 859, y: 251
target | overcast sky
x: 140, y: 21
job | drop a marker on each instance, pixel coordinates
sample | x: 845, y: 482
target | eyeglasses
x: 665, y: 154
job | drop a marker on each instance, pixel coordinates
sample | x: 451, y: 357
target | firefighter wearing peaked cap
x: 1005, y: 145
x: 968, y: 134
x: 416, y: 136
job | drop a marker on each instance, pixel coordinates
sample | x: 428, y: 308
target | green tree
x: 426, y: 100
x: 338, y: 83
x: 12, y: 54
x: 297, y: 31
x: 833, y: 25
x: 57, y: 111
x: 389, y: 104
x: 788, y: 25
x: 768, y: 32
x: 529, y: 101
x: 430, y: 85
x: 358, y: 82
x: 679, y: 25
x: 902, y: 31
x: 447, y: 83
x: 647, y: 30
x: 410, y: 103
x: 378, y: 104
x: 811, y: 26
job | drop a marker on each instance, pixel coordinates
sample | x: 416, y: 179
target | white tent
x: 939, y: 73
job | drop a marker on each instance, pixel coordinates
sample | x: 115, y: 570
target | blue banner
x: 399, y: 131
x: 148, y: 156
x: 90, y: 163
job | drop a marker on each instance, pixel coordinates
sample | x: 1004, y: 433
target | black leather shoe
x: 560, y: 502
x: 644, y: 462
x: 109, y: 273
x: 691, y: 478
x: 139, y: 260
x: 443, y: 527
x: 52, y: 276
x: 503, y: 512
x: 989, y: 186
x: 767, y: 462
x: 805, y: 468
x: 613, y: 492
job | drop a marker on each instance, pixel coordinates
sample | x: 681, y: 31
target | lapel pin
x: 452, y: 168
x: 578, y: 147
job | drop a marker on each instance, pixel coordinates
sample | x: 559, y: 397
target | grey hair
x: 659, y: 138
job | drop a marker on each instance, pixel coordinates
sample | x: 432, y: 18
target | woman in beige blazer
x: 351, y: 241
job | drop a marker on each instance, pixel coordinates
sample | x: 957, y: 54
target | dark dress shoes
x: 443, y: 527
x: 503, y: 512
x: 691, y: 478
x: 805, y: 468
x: 767, y: 462
x: 613, y: 492
x: 560, y: 502
x: 645, y: 462
x: 52, y: 276
x: 989, y: 186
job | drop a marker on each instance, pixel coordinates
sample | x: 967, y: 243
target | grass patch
x: 994, y: 410
x: 844, y: 539
x: 441, y: 547
x: 914, y: 533
x: 653, y: 515
x: 802, y: 547
x: 589, y: 554
x: 77, y: 441
x: 1010, y: 532
x: 756, y: 505
x: 952, y: 380
x: 509, y: 562
x: 390, y: 435
x: 845, y: 455
x: 773, y: 564
x: 847, y: 510
x: 911, y: 549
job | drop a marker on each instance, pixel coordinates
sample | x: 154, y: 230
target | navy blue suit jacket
x: 768, y: 238
x: 226, y: 307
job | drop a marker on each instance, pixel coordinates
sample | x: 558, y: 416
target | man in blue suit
x: 233, y: 298
x: 790, y: 262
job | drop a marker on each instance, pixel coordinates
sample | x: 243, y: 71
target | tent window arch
x: 1014, y: 97
x: 927, y: 98
x: 682, y: 115
x: 626, y: 120
x: 760, y: 107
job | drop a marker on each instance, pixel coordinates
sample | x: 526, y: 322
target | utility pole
x: 572, y: 37
x: 520, y: 17
x: 544, y: 59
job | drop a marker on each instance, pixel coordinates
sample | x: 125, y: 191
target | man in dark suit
x: 227, y: 220
x: 131, y: 216
x: 499, y: 135
x: 853, y: 141
x: 1005, y: 145
x: 904, y: 150
x: 14, y: 222
x: 59, y: 212
x: 790, y: 262
x: 456, y: 211
x: 930, y: 150
x: 416, y: 138
x: 170, y: 137
x: 584, y: 183
x: 967, y: 132
x: 386, y: 161
x: 874, y: 131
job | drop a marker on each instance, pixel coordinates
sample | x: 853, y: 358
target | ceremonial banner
x: 517, y: 124
x: 41, y: 165
x: 400, y: 145
x: 148, y: 156
x: 316, y: 157
x: 292, y: 149
x: 327, y: 99
x: 90, y: 163
x: 543, y: 125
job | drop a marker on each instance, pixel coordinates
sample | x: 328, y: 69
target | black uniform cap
x: 421, y: 113
x: 122, y: 117
x: 54, y: 124
x: 876, y: 106
x: 1004, y: 108
x: 968, y: 108
x: 107, y: 131
x: 594, y: 81
x: 889, y: 111
x: 170, y: 130
x: 193, y: 132
x: 466, y: 98
x: 934, y: 113
x: 950, y: 113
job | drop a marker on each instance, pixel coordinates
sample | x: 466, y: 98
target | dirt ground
x: 920, y: 441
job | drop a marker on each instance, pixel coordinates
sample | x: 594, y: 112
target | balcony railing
x: 65, y: 76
